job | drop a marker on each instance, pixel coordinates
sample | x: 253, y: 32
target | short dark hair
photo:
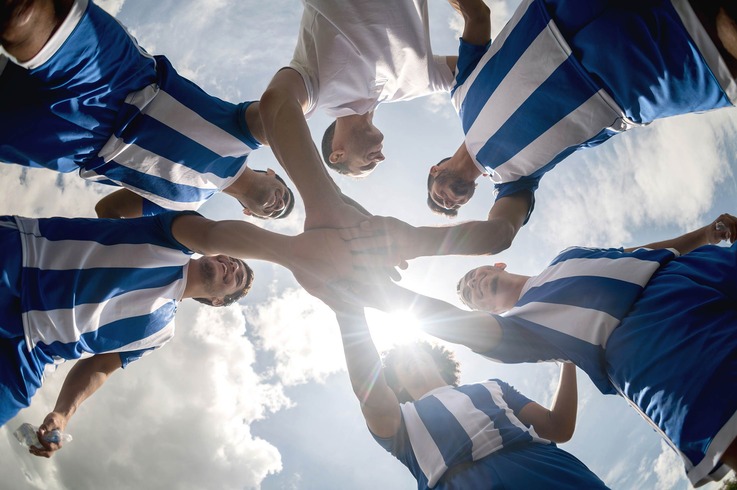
x: 444, y: 360
x: 232, y: 298
x: 290, y: 200
x: 327, y: 150
x: 435, y: 207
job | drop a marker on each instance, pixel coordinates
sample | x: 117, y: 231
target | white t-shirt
x: 354, y: 54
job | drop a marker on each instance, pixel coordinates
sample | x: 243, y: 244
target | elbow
x: 103, y: 210
x: 562, y: 436
x: 503, y: 236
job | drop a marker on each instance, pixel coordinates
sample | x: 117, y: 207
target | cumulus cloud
x: 665, y: 174
x: 301, y: 333
x: 112, y: 7
x: 192, y: 401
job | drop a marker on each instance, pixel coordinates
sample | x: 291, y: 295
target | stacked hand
x: 53, y: 421
x: 723, y: 228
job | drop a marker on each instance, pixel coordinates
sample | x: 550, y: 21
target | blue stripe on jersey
x: 658, y: 255
x: 114, y: 232
x: 469, y: 56
x: 496, y: 69
x: 447, y: 433
x: 482, y: 400
x: 90, y: 285
x: 115, y: 335
x: 526, y: 341
x: 585, y: 292
x: 160, y: 139
x: 560, y: 94
x: 155, y: 185
x: 129, y: 356
x: 218, y: 112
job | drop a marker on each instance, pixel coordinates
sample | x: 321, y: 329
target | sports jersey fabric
x: 553, y: 82
x: 470, y: 437
x: 77, y: 287
x: 668, y: 347
x: 92, y: 100
x: 354, y: 55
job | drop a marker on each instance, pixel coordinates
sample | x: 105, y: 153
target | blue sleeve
x: 133, y: 355
x: 469, y: 56
x: 166, y: 220
x: 518, y: 344
x: 525, y: 184
x: 149, y: 208
x: 516, y: 400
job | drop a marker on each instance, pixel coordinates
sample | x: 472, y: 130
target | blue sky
x: 257, y: 395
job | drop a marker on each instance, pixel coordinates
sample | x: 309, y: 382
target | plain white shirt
x: 356, y: 54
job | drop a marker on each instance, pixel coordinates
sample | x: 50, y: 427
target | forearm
x: 362, y: 358
x: 120, y: 204
x: 477, y: 21
x: 564, y: 408
x: 722, y: 228
x: 83, y: 380
x: 470, y: 238
x: 478, y: 331
x: 233, y: 238
x: 287, y: 133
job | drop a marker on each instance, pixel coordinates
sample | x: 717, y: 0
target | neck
x: 518, y: 283
x: 193, y: 289
x: 242, y: 186
x: 462, y: 163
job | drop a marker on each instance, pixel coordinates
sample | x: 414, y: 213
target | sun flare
x: 390, y: 329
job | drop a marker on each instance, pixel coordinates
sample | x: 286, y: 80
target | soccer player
x: 105, y: 291
x: 483, y: 435
x: 653, y: 324
x: 80, y: 95
x: 350, y: 57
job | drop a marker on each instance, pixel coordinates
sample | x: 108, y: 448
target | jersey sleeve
x: 519, y: 345
x: 149, y: 208
x: 166, y: 220
x: 469, y: 56
x: 515, y: 400
x: 130, y: 356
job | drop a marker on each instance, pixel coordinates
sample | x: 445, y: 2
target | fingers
x: 724, y: 228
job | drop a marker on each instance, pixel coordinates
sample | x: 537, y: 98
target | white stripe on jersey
x: 166, y: 109
x: 428, y: 454
x: 69, y: 324
x: 512, y: 92
x: 585, y: 324
x: 628, y: 269
x: 473, y: 421
x: 69, y: 254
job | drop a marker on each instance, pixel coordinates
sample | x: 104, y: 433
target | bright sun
x: 390, y: 329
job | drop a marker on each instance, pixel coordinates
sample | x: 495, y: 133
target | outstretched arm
x: 317, y: 258
x: 559, y: 422
x: 471, y: 238
x: 285, y: 128
x: 478, y: 331
x: 379, y: 404
x: 84, y: 379
x: 722, y: 228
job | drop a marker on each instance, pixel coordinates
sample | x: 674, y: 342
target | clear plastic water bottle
x: 27, y: 435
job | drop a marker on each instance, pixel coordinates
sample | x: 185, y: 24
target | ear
x: 270, y: 172
x: 435, y: 170
x: 336, y: 156
x: 217, y: 301
x: 500, y: 265
x: 247, y: 212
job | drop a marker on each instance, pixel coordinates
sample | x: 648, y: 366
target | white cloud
x: 193, y: 401
x: 301, y: 333
x: 658, y: 175
x: 668, y: 468
x: 112, y: 7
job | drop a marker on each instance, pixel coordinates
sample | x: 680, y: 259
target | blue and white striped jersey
x: 450, y: 426
x: 569, y: 310
x: 119, y: 116
x: 553, y: 82
x: 94, y: 286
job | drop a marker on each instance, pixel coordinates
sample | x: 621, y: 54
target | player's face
x: 414, y: 368
x: 364, y: 152
x: 270, y: 197
x: 487, y: 289
x: 449, y: 191
x: 223, y: 275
